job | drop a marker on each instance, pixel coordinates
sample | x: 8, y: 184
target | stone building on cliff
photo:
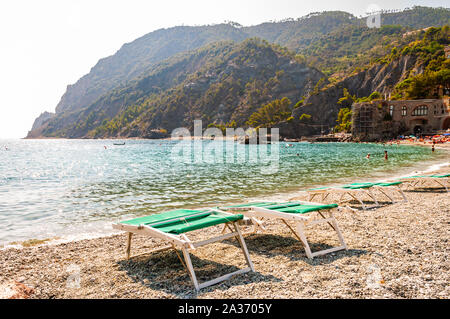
x: 383, y: 119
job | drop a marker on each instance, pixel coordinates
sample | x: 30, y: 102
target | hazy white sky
x: 47, y: 44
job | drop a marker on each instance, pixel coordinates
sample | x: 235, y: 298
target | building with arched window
x: 404, y: 110
x: 421, y: 110
x: 386, y: 119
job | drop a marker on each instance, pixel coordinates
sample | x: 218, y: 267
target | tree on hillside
x: 344, y: 120
x: 271, y: 114
x: 347, y: 100
x: 423, y: 85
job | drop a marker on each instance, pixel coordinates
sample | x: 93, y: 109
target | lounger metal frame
x: 421, y: 181
x: 301, y: 222
x: 183, y: 243
x: 355, y: 194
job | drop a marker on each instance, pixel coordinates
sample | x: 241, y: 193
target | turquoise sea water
x: 65, y: 187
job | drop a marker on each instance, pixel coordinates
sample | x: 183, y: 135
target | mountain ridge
x: 112, y: 74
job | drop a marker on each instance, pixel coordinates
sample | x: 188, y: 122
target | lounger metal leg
x: 179, y: 257
x: 329, y: 223
x: 190, y: 267
x: 382, y: 192
x: 331, y: 220
x: 243, y: 247
x: 369, y: 192
x: 225, y: 228
x: 408, y: 185
x: 402, y: 193
x: 191, y: 271
x: 443, y: 185
x: 412, y: 184
x: 338, y: 231
x: 359, y: 200
x: 257, y: 224
x: 301, y: 233
x: 130, y: 235
x: 292, y: 230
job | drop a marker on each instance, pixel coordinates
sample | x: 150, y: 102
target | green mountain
x: 133, y: 92
x: 134, y: 58
x: 222, y: 83
x: 410, y: 71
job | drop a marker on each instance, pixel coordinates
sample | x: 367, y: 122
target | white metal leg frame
x: 353, y: 193
x: 183, y: 243
x: 423, y: 181
x: 397, y: 188
x: 301, y: 222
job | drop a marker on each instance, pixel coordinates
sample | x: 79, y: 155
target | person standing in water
x: 385, y: 155
x: 368, y: 156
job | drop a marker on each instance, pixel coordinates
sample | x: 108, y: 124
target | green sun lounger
x: 172, y: 227
x: 422, y: 180
x: 355, y: 190
x: 428, y: 176
x: 302, y: 214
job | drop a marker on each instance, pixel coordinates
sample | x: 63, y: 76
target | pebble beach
x: 397, y: 250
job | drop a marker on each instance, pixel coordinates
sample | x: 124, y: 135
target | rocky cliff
x: 324, y: 107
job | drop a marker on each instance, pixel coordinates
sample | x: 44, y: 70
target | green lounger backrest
x: 183, y: 220
x: 288, y: 207
x: 253, y: 204
x: 441, y: 176
x: 301, y: 208
x: 184, y: 226
x: 428, y: 176
x: 388, y: 184
x: 164, y: 217
x: 318, y: 188
x: 358, y: 185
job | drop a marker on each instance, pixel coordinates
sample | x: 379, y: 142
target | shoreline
x: 283, y: 195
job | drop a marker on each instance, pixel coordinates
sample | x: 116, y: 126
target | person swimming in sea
x: 368, y: 156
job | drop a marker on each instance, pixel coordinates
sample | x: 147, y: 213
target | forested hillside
x: 410, y: 71
x: 221, y: 84
x: 171, y: 76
